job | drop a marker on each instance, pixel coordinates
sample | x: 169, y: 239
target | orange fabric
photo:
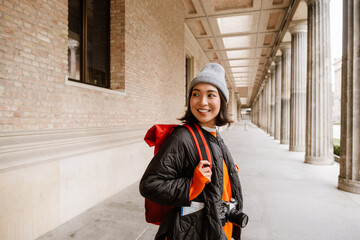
x: 227, y: 195
x: 197, y: 184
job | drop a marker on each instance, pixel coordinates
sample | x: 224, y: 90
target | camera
x: 229, y: 213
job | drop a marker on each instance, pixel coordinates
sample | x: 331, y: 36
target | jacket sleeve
x: 197, y: 184
x: 163, y: 181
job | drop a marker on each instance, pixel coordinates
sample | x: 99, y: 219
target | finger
x: 204, y: 163
x: 206, y: 173
x: 206, y: 170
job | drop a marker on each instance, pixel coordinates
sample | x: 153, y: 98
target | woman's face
x: 205, y: 104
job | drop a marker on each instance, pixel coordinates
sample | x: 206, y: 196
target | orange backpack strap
x: 200, y: 142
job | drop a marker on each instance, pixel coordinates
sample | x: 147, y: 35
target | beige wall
x: 29, y: 201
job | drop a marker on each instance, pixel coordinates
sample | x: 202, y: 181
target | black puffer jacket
x: 167, y: 181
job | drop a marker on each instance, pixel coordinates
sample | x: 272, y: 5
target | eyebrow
x: 207, y: 91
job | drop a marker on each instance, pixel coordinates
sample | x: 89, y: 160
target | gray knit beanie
x: 214, y: 74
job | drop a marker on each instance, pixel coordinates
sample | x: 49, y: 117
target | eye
x: 211, y: 95
x: 195, y: 94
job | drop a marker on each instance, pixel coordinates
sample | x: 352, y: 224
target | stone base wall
x: 46, y: 183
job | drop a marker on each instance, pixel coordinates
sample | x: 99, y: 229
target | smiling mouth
x: 203, y: 111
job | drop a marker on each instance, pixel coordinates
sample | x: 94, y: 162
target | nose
x: 203, y: 100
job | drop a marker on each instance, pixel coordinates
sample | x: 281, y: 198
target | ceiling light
x: 241, y: 74
x: 234, y: 63
x: 237, y: 41
x: 240, y: 69
x: 239, y: 54
x: 235, y: 24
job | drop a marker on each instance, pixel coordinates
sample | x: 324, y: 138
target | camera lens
x: 238, y: 218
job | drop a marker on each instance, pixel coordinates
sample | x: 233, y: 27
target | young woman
x: 196, y: 190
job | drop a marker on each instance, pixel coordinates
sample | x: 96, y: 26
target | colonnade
x: 294, y: 101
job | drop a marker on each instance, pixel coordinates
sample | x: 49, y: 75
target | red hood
x: 157, y: 135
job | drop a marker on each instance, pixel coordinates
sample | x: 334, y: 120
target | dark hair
x: 221, y: 119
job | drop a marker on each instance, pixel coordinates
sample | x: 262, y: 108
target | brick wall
x: 33, y: 62
x: 117, y: 44
x: 148, y: 63
x: 155, y: 59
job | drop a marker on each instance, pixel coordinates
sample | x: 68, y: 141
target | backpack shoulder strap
x: 200, y: 143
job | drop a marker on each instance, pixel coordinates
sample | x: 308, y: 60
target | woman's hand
x: 204, y: 167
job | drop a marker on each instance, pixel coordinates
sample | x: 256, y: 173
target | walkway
x: 285, y: 199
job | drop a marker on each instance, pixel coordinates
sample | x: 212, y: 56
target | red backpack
x: 156, y: 136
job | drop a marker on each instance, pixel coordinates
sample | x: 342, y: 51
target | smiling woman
x: 175, y: 176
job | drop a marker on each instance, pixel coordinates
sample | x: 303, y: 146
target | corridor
x: 285, y: 198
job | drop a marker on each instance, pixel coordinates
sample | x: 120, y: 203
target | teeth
x: 204, y: 111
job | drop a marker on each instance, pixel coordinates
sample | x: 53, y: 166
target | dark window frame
x: 84, y: 48
x: 189, y: 69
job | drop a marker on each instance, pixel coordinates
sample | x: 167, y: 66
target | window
x: 89, y: 42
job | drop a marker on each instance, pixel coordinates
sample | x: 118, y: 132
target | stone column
x: 265, y: 106
x: 259, y: 102
x: 263, y: 114
x: 272, y: 72
x: 258, y: 111
x: 268, y: 99
x: 277, y: 97
x: 261, y: 98
x: 285, y: 49
x: 318, y: 138
x: 349, y: 178
x: 255, y: 112
x: 265, y: 92
x: 252, y: 113
x: 298, y: 30
x: 239, y: 110
x: 231, y: 104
